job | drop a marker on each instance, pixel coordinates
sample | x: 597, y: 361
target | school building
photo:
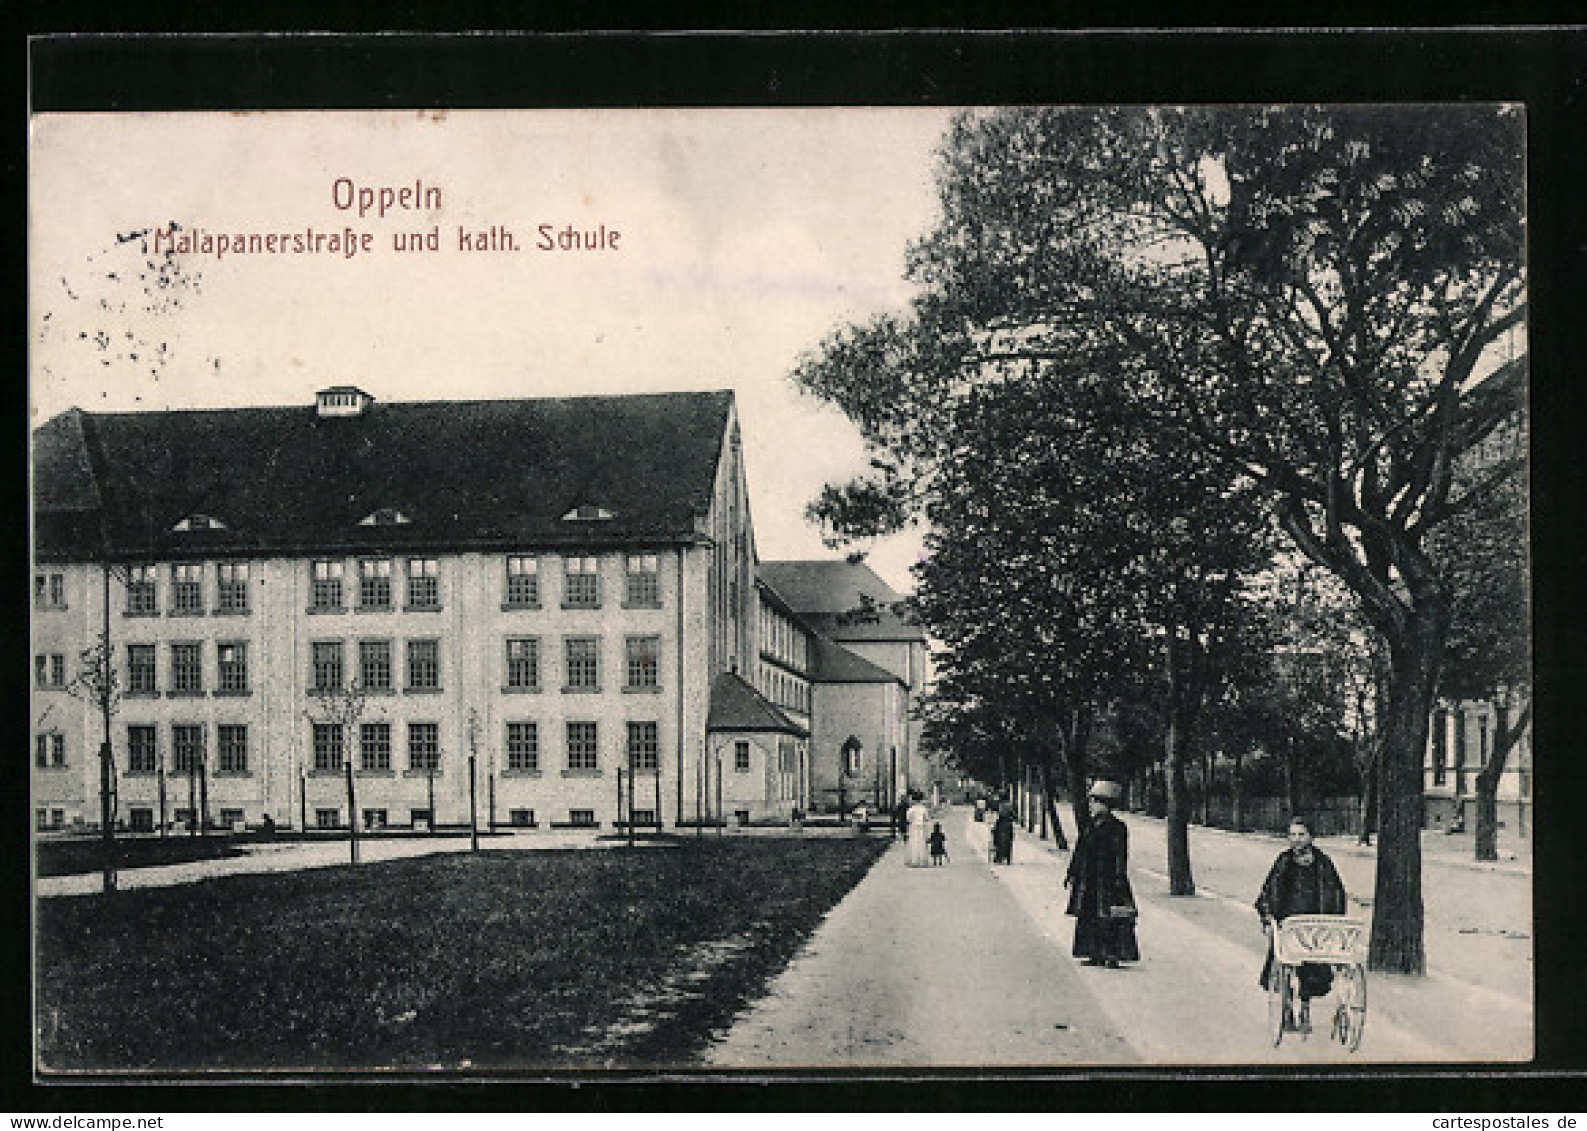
x: 534, y: 614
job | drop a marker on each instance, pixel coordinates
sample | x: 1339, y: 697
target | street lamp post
x: 473, y: 802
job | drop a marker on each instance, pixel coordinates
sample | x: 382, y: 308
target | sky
x: 745, y: 237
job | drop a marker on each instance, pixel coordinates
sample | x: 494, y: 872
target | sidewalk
x: 969, y: 965
x: 292, y: 856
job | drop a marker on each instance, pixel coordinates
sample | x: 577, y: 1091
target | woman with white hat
x: 1100, y: 896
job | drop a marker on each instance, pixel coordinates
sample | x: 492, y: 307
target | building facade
x: 510, y: 612
x: 1462, y: 736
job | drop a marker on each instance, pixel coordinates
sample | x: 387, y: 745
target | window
x: 41, y: 819
x: 142, y: 670
x: 233, y: 663
x: 424, y: 746
x: 143, y: 598
x: 187, y: 669
x: 327, y: 665
x: 50, y: 670
x: 583, y: 753
x: 583, y: 663
x: 374, y: 665
x: 644, y: 581
x: 230, y: 818
x: 581, y: 818
x: 231, y: 748
x: 644, y: 660
x: 374, y: 747
x: 187, y: 588
x: 523, y: 662
x: 328, y: 818
x: 741, y: 757
x: 644, y: 817
x: 327, y: 747
x: 583, y: 582
x: 142, y: 755
x: 374, y: 583
x: 231, y: 594
x: 424, y: 586
x: 424, y: 665
x: 523, y: 580
x: 374, y: 818
x: 49, y: 590
x: 50, y: 750
x: 327, y: 588
x: 643, y: 747
x: 417, y: 817
x: 522, y: 818
x: 141, y: 820
x: 523, y: 747
x: 187, y: 747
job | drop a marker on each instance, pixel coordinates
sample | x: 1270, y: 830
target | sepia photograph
x: 796, y: 589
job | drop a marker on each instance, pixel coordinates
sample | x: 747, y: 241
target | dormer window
x: 342, y: 400
x: 385, y: 516
x: 198, y: 522
x: 588, y: 512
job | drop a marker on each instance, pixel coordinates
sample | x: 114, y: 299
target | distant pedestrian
x: 918, y: 815
x: 1302, y: 881
x: 1003, y: 835
x: 939, y: 844
x: 1098, y: 880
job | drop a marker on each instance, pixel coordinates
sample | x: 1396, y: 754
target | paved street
x: 969, y: 965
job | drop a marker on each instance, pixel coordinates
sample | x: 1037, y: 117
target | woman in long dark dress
x: 1003, y: 835
x: 1100, y: 896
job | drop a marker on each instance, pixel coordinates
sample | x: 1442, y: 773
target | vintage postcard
x: 522, y: 592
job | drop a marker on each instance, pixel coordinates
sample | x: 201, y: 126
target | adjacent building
x: 867, y: 661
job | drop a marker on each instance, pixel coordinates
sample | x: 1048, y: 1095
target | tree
x: 1074, y: 542
x: 1316, y: 293
x: 342, y: 707
x: 98, y: 683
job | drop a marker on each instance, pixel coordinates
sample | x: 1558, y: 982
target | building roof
x: 736, y: 706
x: 843, y: 600
x: 832, y: 663
x: 458, y: 473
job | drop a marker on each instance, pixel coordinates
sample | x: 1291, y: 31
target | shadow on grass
x: 509, y: 960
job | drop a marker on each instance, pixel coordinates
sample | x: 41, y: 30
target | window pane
x: 523, y: 746
x: 523, y: 662
x: 424, y: 664
x: 583, y: 753
x: 583, y: 662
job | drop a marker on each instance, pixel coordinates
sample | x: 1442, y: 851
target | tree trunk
x: 1177, y: 801
x: 1236, y: 796
x: 1397, y: 927
x: 1367, y: 773
x: 1487, y: 835
x: 1050, y: 814
x: 1177, y: 804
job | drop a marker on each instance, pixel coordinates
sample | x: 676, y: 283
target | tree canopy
x: 1309, y: 298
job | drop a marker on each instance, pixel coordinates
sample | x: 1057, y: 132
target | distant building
x: 868, y: 662
x: 1460, y: 740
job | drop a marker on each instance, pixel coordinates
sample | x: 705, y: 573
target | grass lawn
x: 506, y: 959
